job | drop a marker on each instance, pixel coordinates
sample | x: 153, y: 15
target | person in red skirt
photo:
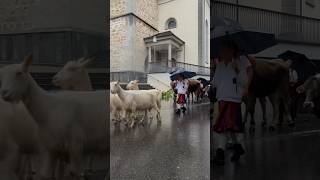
x: 181, y: 89
x: 232, y: 78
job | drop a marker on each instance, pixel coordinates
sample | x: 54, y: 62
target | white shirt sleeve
x: 245, y: 62
x: 216, y: 77
x: 295, y: 76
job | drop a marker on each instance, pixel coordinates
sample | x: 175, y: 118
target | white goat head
x: 115, y: 87
x: 133, y: 85
x: 15, y: 80
x: 311, y: 88
x: 72, y: 73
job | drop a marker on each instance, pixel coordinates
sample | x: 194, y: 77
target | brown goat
x: 270, y: 79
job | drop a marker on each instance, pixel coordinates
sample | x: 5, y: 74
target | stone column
x: 149, y: 54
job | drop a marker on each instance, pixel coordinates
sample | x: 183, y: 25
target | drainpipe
x: 237, y: 10
x: 300, y: 7
x: 301, y: 16
x: 184, y: 53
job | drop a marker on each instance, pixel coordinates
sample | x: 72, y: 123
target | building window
x: 171, y: 23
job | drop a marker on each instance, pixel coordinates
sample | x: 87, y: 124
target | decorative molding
x: 310, y: 3
x: 132, y: 14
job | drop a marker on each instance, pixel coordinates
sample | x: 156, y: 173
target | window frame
x: 169, y: 21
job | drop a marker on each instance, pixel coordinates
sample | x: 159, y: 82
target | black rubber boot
x: 229, y: 145
x: 184, y: 110
x: 237, y: 152
x: 178, y: 111
x: 219, y: 159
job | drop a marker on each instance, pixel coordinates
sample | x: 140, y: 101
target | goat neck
x: 121, y: 93
x: 84, y: 84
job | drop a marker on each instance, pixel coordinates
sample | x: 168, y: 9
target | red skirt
x: 181, y: 99
x: 229, y: 118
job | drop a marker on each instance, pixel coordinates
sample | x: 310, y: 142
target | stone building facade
x: 132, y: 21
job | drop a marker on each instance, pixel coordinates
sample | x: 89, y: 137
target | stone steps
x: 142, y: 86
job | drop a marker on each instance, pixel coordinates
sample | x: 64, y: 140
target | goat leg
x: 275, y: 102
x: 263, y: 108
x: 287, y: 113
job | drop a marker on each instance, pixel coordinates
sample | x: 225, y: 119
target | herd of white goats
x: 62, y: 134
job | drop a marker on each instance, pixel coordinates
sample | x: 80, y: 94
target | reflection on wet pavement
x: 286, y: 154
x: 177, y: 148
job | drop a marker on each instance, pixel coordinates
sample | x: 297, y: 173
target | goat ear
x: 85, y: 63
x: 26, y: 62
x: 136, y: 81
x: 81, y: 59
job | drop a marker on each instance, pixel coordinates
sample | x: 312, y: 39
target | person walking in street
x: 293, y: 80
x: 293, y: 75
x: 232, y: 78
x: 181, y: 86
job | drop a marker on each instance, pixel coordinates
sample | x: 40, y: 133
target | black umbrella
x: 294, y: 56
x: 249, y: 42
x: 181, y: 72
x: 301, y: 63
x: 204, y: 81
x: 173, y: 70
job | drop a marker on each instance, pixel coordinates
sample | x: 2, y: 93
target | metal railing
x: 287, y: 27
x: 168, y: 66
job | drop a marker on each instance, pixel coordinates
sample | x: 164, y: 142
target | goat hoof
x: 271, y: 128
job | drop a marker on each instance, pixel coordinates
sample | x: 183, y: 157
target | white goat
x: 134, y: 102
x: 18, y: 130
x: 116, y: 107
x: 74, y: 76
x: 68, y: 121
x: 133, y: 85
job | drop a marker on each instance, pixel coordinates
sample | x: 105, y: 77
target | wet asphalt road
x: 178, y: 148
x: 286, y: 154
